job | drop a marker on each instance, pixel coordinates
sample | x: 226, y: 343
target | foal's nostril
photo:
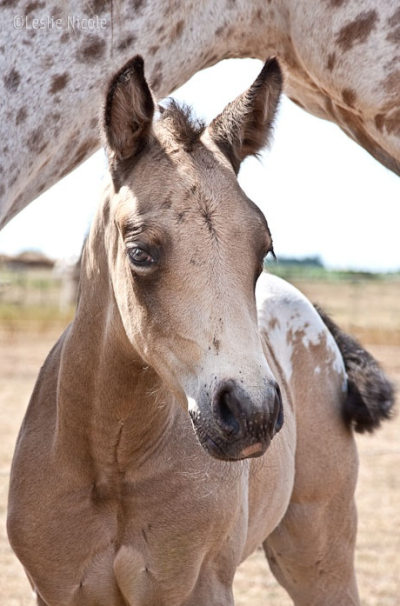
x: 227, y: 415
x: 226, y: 408
x: 279, y: 419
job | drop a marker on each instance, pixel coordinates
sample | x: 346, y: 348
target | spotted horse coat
x: 341, y: 58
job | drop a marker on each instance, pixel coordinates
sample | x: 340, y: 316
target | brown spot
x: 216, y: 344
x: 94, y: 123
x: 84, y: 150
x: 177, y: 31
x: 156, y: 81
x: 153, y: 49
x: 349, y: 97
x: 92, y: 51
x: 331, y: 61
x: 12, y: 80
x: 273, y: 323
x: 213, y: 59
x: 392, y: 123
x: 99, y: 6
x: 337, y: 3
x: 64, y: 38
x: 391, y: 83
x: 355, y: 126
x: 137, y: 5
x: 21, y: 116
x: 357, y: 31
x: 157, y: 77
x: 394, y: 36
x: 394, y: 20
x: 220, y: 30
x: 126, y: 42
x: 379, y: 121
x: 33, y: 6
x: 9, y: 3
x: 2, y: 190
x: 56, y: 12
x: 59, y: 82
x: 35, y: 142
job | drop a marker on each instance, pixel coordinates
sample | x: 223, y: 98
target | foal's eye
x: 138, y: 256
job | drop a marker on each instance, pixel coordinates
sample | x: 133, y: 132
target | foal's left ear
x: 129, y: 110
x: 244, y: 126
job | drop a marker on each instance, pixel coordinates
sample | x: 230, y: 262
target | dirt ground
x: 378, y: 550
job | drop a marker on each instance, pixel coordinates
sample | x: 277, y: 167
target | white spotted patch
x: 284, y: 314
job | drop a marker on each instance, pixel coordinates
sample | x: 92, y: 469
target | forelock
x: 180, y: 122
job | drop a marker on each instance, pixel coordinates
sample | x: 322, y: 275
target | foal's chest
x: 166, y: 537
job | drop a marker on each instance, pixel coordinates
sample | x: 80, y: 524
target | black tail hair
x: 370, y: 394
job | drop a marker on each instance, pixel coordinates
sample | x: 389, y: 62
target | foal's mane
x: 182, y: 124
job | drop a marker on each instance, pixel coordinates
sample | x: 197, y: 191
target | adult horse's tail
x: 371, y: 395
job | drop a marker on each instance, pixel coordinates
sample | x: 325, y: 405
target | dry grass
x: 369, y: 309
x: 375, y: 319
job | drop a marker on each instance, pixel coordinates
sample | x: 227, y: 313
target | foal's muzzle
x: 241, y: 427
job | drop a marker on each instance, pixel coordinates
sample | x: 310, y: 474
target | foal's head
x: 185, y: 248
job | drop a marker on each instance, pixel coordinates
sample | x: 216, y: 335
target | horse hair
x: 370, y: 394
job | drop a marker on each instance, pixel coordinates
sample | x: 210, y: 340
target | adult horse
x: 341, y: 59
x: 114, y: 501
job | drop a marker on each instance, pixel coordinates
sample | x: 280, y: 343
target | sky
x: 321, y: 193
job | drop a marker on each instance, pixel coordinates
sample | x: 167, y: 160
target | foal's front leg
x: 212, y: 589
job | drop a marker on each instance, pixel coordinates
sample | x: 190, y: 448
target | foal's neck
x: 111, y: 404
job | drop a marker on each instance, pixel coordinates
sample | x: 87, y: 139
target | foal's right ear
x: 129, y: 110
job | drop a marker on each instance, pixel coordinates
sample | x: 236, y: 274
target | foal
x: 120, y: 497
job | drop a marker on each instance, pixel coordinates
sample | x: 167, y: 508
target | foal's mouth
x: 229, y: 450
x: 236, y: 453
